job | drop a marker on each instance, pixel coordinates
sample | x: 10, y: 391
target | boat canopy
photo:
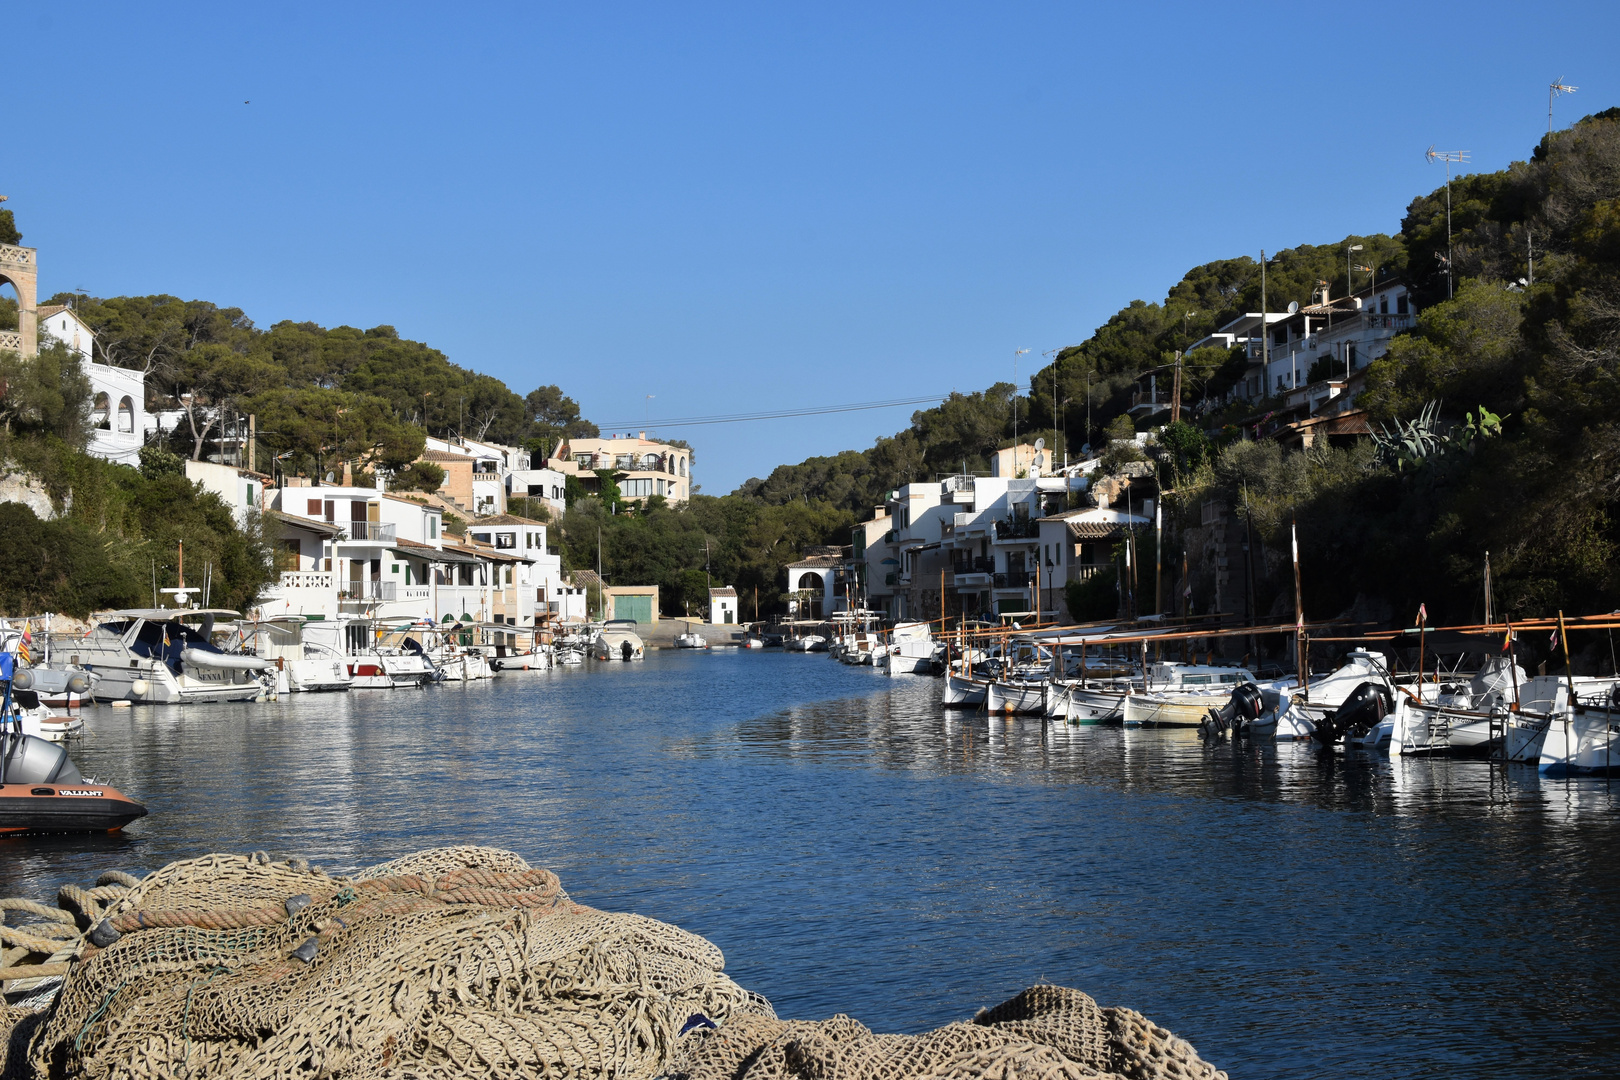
x: 164, y: 614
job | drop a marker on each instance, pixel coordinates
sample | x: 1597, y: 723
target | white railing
x: 371, y: 590
x: 371, y: 532
x: 308, y: 579
x: 11, y: 341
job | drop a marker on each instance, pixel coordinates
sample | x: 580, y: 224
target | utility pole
x: 1016, y: 354
x: 1175, y: 394
x: 1265, y: 336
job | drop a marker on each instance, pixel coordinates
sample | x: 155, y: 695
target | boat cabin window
x: 1196, y: 680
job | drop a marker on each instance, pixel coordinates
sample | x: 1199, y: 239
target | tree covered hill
x: 1542, y: 496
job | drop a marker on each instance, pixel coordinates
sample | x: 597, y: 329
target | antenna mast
x: 1448, y: 156
x: 1553, y: 91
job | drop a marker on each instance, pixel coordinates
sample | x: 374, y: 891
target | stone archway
x: 19, y: 267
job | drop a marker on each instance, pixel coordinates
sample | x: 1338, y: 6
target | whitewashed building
x: 119, y: 422
x: 723, y: 605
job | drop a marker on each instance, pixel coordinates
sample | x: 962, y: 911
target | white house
x: 240, y: 489
x: 547, y: 484
x: 119, y: 422
x: 723, y: 605
x: 819, y: 577
x: 539, y: 576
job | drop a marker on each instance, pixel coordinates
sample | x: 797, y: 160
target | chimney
x: 348, y: 474
x: 643, y: 436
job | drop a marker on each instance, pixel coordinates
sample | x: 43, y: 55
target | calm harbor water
x: 853, y: 849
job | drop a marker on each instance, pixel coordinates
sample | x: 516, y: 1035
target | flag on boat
x: 1423, y: 615
x: 23, y: 650
x: 1552, y: 639
x: 1507, y: 640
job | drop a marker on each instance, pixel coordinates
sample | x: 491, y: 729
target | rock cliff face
x: 21, y: 487
x: 1106, y: 490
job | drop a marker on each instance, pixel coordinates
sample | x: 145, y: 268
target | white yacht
x: 165, y: 655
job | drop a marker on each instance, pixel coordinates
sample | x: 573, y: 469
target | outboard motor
x: 1364, y: 709
x: 28, y: 759
x: 626, y: 650
x: 1245, y: 706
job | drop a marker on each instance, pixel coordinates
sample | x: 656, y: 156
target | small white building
x: 540, y: 574
x: 723, y: 605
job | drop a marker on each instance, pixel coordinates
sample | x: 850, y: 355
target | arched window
x: 100, y: 414
x: 126, y: 415
x: 683, y: 466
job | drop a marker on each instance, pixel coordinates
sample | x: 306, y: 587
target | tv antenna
x: 1553, y: 91
x: 1461, y: 158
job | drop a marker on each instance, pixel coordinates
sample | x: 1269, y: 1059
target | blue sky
x: 743, y: 207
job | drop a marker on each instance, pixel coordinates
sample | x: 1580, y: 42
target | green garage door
x: 638, y: 608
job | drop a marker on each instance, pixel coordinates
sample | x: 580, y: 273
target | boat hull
x: 962, y: 692
x: 1018, y: 698
x: 1582, y: 742
x: 67, y: 808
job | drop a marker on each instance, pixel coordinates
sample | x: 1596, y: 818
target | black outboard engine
x: 1363, y: 710
x: 626, y: 650
x: 1245, y: 707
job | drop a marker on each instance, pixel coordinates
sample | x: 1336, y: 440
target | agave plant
x: 1415, y: 441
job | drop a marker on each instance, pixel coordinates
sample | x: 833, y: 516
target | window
x: 636, y: 489
x: 331, y: 510
x: 1383, y: 304
x: 433, y: 527
x: 484, y: 536
x: 506, y: 540
x: 100, y: 417
x: 660, y: 486
x: 1400, y: 304
x: 314, y: 508
x: 683, y: 466
x: 126, y: 415
x: 395, y: 568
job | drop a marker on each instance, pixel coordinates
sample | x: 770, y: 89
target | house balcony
x: 969, y: 525
x: 1017, y: 530
x: 973, y: 580
x: 957, y: 489
x: 1086, y: 571
x: 366, y: 592
x: 1016, y: 580
x: 370, y: 532
x: 308, y: 579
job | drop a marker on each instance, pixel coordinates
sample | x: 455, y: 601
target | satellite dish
x: 1040, y: 444
x: 1293, y: 307
x: 1040, y: 459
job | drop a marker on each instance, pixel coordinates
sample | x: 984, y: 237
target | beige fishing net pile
x: 467, y: 962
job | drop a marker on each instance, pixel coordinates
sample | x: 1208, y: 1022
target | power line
x: 738, y: 418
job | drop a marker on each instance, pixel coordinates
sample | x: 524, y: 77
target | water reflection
x: 854, y: 848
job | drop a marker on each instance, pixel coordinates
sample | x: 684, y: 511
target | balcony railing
x: 1018, y: 530
x: 307, y: 579
x: 370, y: 590
x: 371, y: 532
x: 983, y: 565
x: 1018, y: 580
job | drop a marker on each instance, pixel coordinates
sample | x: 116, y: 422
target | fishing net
x: 461, y: 962
x: 1045, y: 1033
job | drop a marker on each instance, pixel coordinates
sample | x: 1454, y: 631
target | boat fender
x: 104, y: 933
x: 295, y: 904
x: 140, y: 688
x: 23, y: 680
x: 306, y: 952
x: 78, y: 684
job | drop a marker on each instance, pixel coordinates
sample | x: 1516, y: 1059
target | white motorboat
x: 806, y: 643
x: 157, y: 656
x: 617, y: 640
x: 689, y: 640
x: 308, y: 666
x: 1467, y: 719
x: 37, y: 719
x: 1582, y: 738
x: 1181, y: 695
x: 912, y: 649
